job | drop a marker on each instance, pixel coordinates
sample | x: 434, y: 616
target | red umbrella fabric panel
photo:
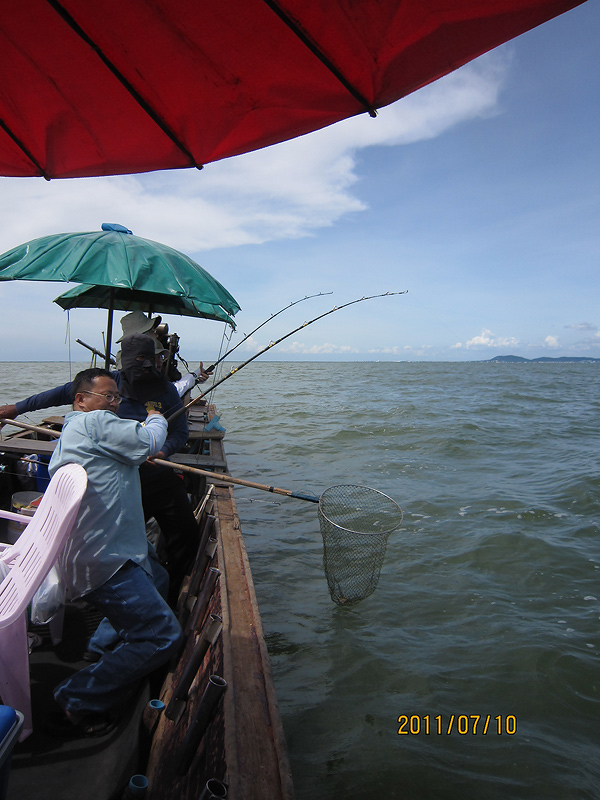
x: 111, y: 87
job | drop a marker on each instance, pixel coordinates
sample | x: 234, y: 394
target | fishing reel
x: 171, y: 343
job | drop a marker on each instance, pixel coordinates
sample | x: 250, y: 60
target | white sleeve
x: 186, y: 383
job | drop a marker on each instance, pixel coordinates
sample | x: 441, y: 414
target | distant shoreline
x: 542, y: 360
x: 510, y: 359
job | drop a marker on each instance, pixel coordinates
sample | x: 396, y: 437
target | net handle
x: 221, y: 476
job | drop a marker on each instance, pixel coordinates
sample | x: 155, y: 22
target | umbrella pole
x: 109, y: 325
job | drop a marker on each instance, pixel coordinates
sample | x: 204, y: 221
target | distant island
x: 543, y: 360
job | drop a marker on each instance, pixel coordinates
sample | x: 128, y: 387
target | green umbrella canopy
x: 131, y: 300
x: 115, y: 258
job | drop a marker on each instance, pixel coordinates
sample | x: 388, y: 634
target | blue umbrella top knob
x: 114, y: 226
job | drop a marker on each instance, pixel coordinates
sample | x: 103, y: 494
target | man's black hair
x: 86, y: 378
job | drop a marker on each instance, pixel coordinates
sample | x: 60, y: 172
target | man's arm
x: 178, y: 428
x: 59, y: 396
x: 189, y: 381
x: 156, y: 427
x: 125, y: 440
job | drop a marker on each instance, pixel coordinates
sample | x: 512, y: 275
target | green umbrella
x: 116, y: 259
x: 132, y: 299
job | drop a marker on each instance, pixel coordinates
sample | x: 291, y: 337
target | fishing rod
x: 295, y: 302
x: 28, y: 427
x: 272, y: 344
x: 220, y: 476
x: 277, y: 313
x: 96, y: 352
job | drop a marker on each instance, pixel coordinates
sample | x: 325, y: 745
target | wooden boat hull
x: 244, y: 747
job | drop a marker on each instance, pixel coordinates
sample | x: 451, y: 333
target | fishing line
x: 221, y: 345
x: 182, y: 410
x: 258, y: 327
x: 225, y: 341
x: 247, y: 336
x: 5, y: 471
x: 221, y: 359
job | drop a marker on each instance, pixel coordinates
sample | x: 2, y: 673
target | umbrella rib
x: 23, y: 149
x: 141, y: 101
x: 315, y: 50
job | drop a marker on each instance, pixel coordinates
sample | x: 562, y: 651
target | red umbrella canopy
x: 110, y: 87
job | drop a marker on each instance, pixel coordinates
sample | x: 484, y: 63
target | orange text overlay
x: 461, y: 724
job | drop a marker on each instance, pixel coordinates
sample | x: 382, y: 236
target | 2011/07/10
x: 462, y: 724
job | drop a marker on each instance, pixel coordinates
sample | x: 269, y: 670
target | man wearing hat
x: 138, y: 322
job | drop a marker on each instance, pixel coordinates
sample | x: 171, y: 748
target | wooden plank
x: 198, y: 432
x: 255, y: 749
x: 25, y: 446
x: 58, y: 421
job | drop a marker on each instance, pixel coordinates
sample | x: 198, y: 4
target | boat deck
x: 46, y: 766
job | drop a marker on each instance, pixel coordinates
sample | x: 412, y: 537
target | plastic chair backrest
x: 37, y: 548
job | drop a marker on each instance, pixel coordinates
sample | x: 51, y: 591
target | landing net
x: 355, y: 524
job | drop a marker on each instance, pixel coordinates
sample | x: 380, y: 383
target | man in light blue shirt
x: 106, y: 558
x: 164, y: 496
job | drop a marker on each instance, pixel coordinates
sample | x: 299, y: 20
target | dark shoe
x: 94, y: 724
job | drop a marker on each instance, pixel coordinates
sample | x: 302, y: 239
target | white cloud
x: 281, y: 192
x: 387, y: 350
x: 396, y: 351
x: 298, y: 348
x: 551, y: 341
x: 583, y: 326
x: 488, y: 339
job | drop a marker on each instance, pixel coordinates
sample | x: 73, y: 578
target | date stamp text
x: 461, y: 724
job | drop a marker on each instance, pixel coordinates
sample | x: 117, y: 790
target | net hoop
x: 347, y: 489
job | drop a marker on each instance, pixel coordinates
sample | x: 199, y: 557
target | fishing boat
x: 206, y: 726
x: 218, y: 733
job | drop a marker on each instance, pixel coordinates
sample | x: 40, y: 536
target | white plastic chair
x: 29, y: 560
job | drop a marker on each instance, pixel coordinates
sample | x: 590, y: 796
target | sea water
x: 473, y: 671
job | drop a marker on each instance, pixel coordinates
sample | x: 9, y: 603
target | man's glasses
x: 110, y: 398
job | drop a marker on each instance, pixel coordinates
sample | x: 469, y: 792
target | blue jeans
x: 105, y: 636
x: 148, y: 635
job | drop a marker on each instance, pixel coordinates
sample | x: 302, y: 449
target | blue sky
x: 479, y: 195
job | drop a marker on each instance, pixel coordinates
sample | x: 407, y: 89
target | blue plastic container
x: 40, y: 472
x: 10, y: 725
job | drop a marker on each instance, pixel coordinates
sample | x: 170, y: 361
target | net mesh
x: 355, y: 524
